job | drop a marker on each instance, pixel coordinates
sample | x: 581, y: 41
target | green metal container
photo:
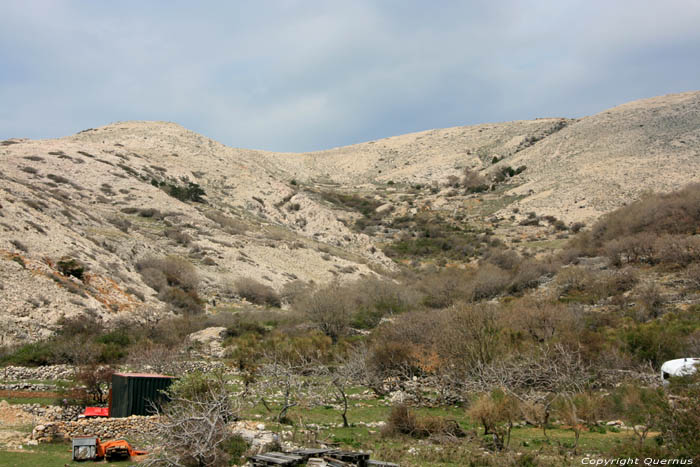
x: 137, y: 393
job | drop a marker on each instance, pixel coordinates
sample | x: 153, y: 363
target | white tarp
x: 679, y: 367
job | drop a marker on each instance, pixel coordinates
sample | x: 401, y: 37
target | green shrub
x: 34, y: 354
x: 71, y: 267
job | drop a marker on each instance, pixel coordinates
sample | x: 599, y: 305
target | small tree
x: 329, y: 309
x: 342, y: 377
x: 679, y: 427
x: 496, y: 412
x: 96, y: 380
x: 643, y: 408
x: 283, y: 377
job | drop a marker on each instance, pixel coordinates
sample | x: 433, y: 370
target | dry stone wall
x: 131, y: 428
x: 49, y: 372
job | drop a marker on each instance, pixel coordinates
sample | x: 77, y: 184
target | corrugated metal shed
x: 136, y: 393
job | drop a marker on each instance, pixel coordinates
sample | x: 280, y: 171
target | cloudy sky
x: 306, y: 75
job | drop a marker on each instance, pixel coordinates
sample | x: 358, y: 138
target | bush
x: 189, y: 192
x: 329, y: 309
x: 178, y: 236
x: 256, y: 292
x: 496, y: 413
x: 402, y: 421
x: 194, y: 429
x: 671, y: 213
x: 34, y: 354
x: 177, y: 272
x: 679, y: 425
x: 96, y: 381
x: 488, y: 282
x: 175, y: 280
x: 71, y: 267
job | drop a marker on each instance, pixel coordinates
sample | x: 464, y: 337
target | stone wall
x: 133, y: 427
x: 49, y: 372
x: 52, y: 413
x: 23, y: 386
x: 136, y: 427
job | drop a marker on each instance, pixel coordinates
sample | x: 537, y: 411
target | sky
x: 294, y: 76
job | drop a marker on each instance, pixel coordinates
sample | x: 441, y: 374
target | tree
x: 192, y: 427
x: 496, y: 411
x: 96, y: 380
x: 341, y: 377
x: 329, y: 309
x: 643, y: 408
x: 282, y: 378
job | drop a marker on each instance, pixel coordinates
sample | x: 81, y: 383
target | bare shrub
x: 540, y: 319
x: 228, y: 224
x: 329, y: 309
x: 643, y: 408
x: 293, y: 290
x: 402, y: 421
x: 175, y: 280
x: 573, y: 279
x: 469, y: 336
x: 176, y: 234
x: 488, y: 281
x: 496, y: 412
x: 692, y: 275
x: 19, y: 245
x: 150, y: 213
x: 96, y: 380
x: 672, y: 213
x: 445, y: 287
x: 373, y: 299
x: 529, y: 273
x: 192, y: 428
x: 677, y: 250
x: 257, y: 292
x: 178, y: 272
x: 472, y: 180
x: 120, y: 223
x: 504, y: 259
x: 650, y: 298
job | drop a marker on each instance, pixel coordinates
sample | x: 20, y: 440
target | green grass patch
x: 45, y: 455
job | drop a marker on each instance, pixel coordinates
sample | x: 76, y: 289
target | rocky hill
x: 84, y: 218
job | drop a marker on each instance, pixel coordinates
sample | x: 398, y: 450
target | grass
x: 46, y: 455
x: 491, y: 204
x: 524, y: 440
x: 30, y: 400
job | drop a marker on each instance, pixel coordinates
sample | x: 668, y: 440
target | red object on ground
x: 96, y: 412
x: 103, y: 448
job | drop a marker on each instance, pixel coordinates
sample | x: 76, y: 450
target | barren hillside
x: 108, y: 199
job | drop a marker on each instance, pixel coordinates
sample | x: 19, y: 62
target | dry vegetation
x: 443, y: 298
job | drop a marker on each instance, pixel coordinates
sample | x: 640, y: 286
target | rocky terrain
x: 78, y: 214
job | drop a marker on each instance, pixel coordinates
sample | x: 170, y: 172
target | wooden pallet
x: 276, y: 459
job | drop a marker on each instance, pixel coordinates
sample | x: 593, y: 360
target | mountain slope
x: 104, y: 199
